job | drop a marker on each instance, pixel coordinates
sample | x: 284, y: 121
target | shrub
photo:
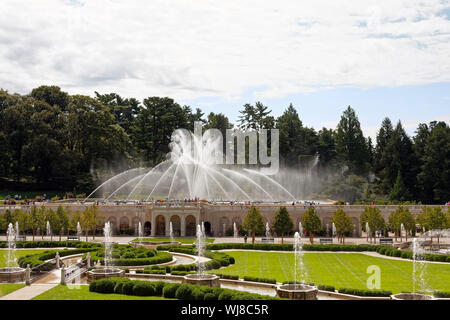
x: 255, y: 279
x: 184, y: 292
x: 119, y: 285
x: 170, y: 290
x: 225, y: 295
x: 228, y: 276
x: 197, y: 294
x: 159, y: 285
x: 210, y: 296
x: 441, y: 294
x: 365, y: 293
x: 143, y: 289
x: 127, y: 288
x: 105, y: 285
x: 326, y: 288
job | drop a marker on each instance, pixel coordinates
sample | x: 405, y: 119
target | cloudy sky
x: 384, y: 58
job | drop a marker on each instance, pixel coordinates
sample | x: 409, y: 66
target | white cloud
x: 187, y: 49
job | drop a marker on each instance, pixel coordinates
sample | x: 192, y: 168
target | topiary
x: 210, y: 296
x: 225, y: 295
x: 144, y: 289
x: 169, y: 290
x: 184, y: 292
x: 127, y: 288
x: 105, y: 285
x: 159, y: 285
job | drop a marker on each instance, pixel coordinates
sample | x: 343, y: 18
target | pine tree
x: 399, y: 192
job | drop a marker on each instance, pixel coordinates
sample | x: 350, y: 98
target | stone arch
x: 176, y: 225
x: 160, y: 225
x: 191, y: 227
x: 147, y: 228
x: 124, y: 223
x: 135, y: 224
x: 113, y: 222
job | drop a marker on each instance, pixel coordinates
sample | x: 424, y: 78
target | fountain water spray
x: 78, y: 230
x: 48, y: 229
x: 11, y: 238
x: 200, y: 246
x: 140, y: 232
x: 224, y: 229
x: 298, y: 258
x: 267, y: 230
x: 171, y: 232
x: 300, y: 229
x: 368, y: 232
x: 402, y: 231
x: 333, y: 226
x: 419, y: 267
x: 235, y: 230
x: 17, y: 229
x: 108, y: 245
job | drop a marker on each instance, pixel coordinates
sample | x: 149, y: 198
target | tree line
x: 431, y: 218
x: 54, y: 140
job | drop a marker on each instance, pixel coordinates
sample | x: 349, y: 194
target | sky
x: 384, y: 58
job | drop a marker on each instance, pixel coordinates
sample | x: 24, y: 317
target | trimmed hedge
x: 365, y: 293
x: 171, y: 290
x: 39, y: 258
x: 160, y: 257
x: 441, y: 294
x: 256, y: 279
x: 227, y: 276
x: 52, y: 244
x: 326, y: 288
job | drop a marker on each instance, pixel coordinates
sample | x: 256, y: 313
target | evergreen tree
x: 399, y: 191
x: 253, y: 222
x: 282, y: 222
x: 343, y: 224
x: 311, y: 223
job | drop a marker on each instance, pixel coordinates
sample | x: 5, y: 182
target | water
x: 171, y: 232
x: 17, y: 229
x: 140, y: 232
x: 235, y: 230
x: 11, y: 239
x: 224, y: 229
x: 333, y: 226
x: 191, y: 171
x: 48, y: 229
x: 108, y: 245
x: 368, y: 231
x: 299, y: 268
x: 267, y: 230
x: 419, y: 267
x: 200, y: 247
x: 78, y: 229
x: 402, y: 230
x: 300, y: 229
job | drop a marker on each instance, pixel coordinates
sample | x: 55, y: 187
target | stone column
x: 27, y: 275
x: 153, y: 233
x: 183, y: 225
x: 63, y: 276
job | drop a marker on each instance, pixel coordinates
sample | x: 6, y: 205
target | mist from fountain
x: 402, y: 231
x: 419, y: 267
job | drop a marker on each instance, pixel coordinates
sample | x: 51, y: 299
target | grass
x: 18, y: 253
x: 337, y: 269
x: 181, y: 240
x: 81, y: 292
x: 6, y: 288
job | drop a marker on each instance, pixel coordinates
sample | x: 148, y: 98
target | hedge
x: 39, y: 258
x: 365, y: 293
x: 227, y: 276
x: 441, y: 294
x: 256, y: 279
x: 326, y: 288
x: 52, y: 244
x: 171, y: 290
x: 161, y: 257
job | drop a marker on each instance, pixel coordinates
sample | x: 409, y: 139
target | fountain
x: 368, y: 232
x: 49, y: 230
x: 235, y: 230
x: 268, y: 237
x: 402, y: 231
x: 11, y: 273
x: 108, y: 271
x: 17, y: 230
x: 140, y: 232
x: 201, y: 278
x: 78, y: 230
x: 172, y: 240
x: 334, y: 230
x: 419, y: 283
x: 267, y: 230
x: 300, y: 229
x: 298, y: 290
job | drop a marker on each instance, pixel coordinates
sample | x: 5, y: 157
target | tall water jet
x: 140, y: 232
x: 171, y: 232
x: 300, y: 229
x: 298, y: 290
x: 402, y: 231
x: 108, y: 271
x: 200, y: 278
x: 267, y: 230
x: 49, y: 230
x: 235, y: 230
x: 333, y: 226
x: 368, y: 232
x: 17, y: 229
x: 224, y: 229
x: 11, y: 273
x: 78, y: 230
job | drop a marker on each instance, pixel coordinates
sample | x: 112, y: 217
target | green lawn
x: 181, y: 240
x: 337, y: 269
x: 6, y: 288
x: 81, y: 292
x: 19, y: 253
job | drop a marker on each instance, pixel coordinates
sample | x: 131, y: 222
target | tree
x: 73, y: 221
x: 343, y: 224
x: 399, y: 191
x: 326, y: 147
x: 311, y: 222
x: 52, y: 95
x: 401, y: 216
x: 433, y: 218
x: 90, y: 219
x: 350, y: 142
x: 408, y: 220
x: 62, y: 221
x: 253, y: 222
x: 34, y: 220
x: 383, y: 136
x: 375, y: 220
x: 282, y: 222
x: 52, y: 218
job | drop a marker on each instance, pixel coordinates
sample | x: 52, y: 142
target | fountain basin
x: 96, y: 274
x: 12, y: 275
x: 210, y: 280
x: 411, y: 296
x: 297, y: 292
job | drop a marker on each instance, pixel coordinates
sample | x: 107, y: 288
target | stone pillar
x: 57, y: 260
x: 27, y: 275
x: 88, y: 260
x: 153, y: 233
x: 167, y: 220
x: 183, y: 225
x: 63, y: 276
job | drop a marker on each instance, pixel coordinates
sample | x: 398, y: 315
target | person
x: 245, y: 238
